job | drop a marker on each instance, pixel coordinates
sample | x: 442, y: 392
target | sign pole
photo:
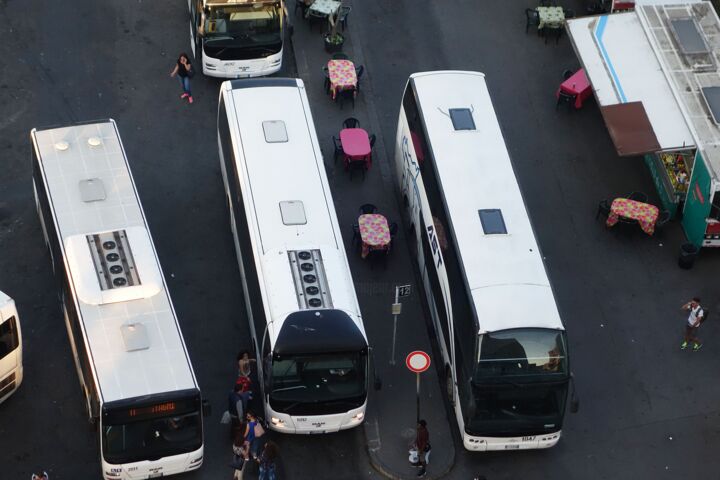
x: 417, y: 420
x: 392, y: 357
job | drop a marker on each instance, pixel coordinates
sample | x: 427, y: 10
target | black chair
x: 372, y: 140
x: 340, y: 56
x: 393, y: 227
x: 557, y: 31
x: 345, y: 94
x: 351, y: 122
x: 662, y: 220
x: 343, y: 16
x: 567, y: 98
x: 326, y: 74
x: 638, y: 197
x: 355, y: 165
x: 567, y: 74
x: 356, y: 234
x: 568, y: 13
x: 603, y: 209
x: 316, y: 18
x: 302, y: 6
x: 548, y: 3
x: 367, y: 209
x: 338, y: 148
x: 358, y: 74
x: 531, y: 18
x: 377, y: 256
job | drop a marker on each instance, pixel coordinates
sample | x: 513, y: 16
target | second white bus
x: 11, y: 366
x: 138, y: 383
x: 308, y: 336
x: 502, y: 340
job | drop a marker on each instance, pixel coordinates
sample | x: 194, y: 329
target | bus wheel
x: 449, y: 387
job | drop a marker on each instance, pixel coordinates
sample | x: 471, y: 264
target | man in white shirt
x: 695, y: 318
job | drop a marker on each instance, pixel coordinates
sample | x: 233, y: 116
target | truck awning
x: 634, y: 95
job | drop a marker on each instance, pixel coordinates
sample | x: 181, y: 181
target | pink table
x: 645, y: 214
x: 374, y: 233
x: 342, y: 76
x: 356, y: 146
x: 577, y: 85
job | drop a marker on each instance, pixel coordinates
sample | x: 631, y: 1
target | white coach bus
x: 308, y: 337
x: 11, y: 367
x: 237, y: 38
x: 502, y: 340
x: 134, y: 369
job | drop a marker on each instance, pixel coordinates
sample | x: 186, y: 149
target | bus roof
x: 504, y: 272
x: 91, y: 191
x: 279, y: 160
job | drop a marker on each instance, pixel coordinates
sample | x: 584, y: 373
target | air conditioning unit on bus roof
x: 114, y: 266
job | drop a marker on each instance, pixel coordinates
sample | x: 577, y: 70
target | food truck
x: 655, y: 76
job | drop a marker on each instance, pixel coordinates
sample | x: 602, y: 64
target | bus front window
x: 321, y: 383
x: 9, y: 339
x: 246, y: 25
x: 151, y: 438
x: 522, y: 351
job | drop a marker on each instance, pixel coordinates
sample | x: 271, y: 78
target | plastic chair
x: 531, y: 18
x: 326, y: 74
x: 567, y: 98
x: 356, y: 234
x: 547, y: 3
x: 340, y: 56
x: 372, y: 140
x: 603, y: 209
x: 354, y: 165
x: 302, y: 6
x: 338, y: 148
x: 358, y: 74
x: 343, y: 16
x: 638, y: 197
x: 345, y: 94
x: 393, y: 226
x: 567, y: 74
x: 569, y: 13
x: 351, y: 122
x: 557, y: 31
x: 315, y: 17
x: 367, y: 209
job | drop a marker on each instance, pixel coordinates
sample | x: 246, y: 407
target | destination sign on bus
x: 166, y: 407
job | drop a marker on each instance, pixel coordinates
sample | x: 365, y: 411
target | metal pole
x: 417, y: 420
x: 392, y: 357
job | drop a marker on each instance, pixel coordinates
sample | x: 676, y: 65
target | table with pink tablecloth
x: 374, y: 233
x: 645, y: 214
x: 342, y: 76
x: 578, y: 85
x: 356, y: 146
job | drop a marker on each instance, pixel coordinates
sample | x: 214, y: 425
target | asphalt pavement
x: 648, y: 410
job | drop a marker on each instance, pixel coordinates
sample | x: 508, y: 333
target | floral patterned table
x: 645, y: 214
x: 342, y: 76
x: 374, y: 233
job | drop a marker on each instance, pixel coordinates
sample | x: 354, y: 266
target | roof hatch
x: 293, y: 212
x: 115, y: 266
x: 492, y: 221
x: 275, y: 131
x: 462, y: 119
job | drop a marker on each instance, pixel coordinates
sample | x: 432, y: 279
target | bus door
x: 195, y: 7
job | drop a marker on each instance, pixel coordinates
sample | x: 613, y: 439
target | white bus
x: 498, y: 327
x: 135, y: 373
x: 11, y: 368
x: 237, y: 38
x: 308, y: 337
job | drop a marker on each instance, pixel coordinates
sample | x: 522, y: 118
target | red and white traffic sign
x: 417, y: 361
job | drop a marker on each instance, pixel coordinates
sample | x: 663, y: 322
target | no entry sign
x: 417, y: 361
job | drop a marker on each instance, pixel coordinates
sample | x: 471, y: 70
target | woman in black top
x: 184, y: 70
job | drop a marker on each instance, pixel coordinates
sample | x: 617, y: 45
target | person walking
x: 422, y: 445
x: 254, y: 432
x: 695, y: 318
x: 267, y: 461
x: 239, y: 454
x: 184, y: 71
x: 236, y: 405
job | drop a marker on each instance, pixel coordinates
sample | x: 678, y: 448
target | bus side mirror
x: 206, y: 410
x: 574, y: 400
x: 377, y: 382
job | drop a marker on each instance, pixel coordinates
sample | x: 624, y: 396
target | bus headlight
x: 277, y: 422
x: 112, y: 474
x: 359, y: 416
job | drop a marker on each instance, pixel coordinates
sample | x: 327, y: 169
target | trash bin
x: 688, y: 252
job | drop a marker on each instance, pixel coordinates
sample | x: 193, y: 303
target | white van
x: 11, y: 370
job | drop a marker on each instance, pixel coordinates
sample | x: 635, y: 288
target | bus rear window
x: 9, y: 338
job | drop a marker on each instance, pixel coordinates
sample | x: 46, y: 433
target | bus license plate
x: 155, y: 475
x: 512, y: 447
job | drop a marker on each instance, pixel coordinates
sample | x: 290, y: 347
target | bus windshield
x: 152, y: 438
x: 523, y: 351
x: 318, y: 379
x: 243, y: 25
x: 9, y: 339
